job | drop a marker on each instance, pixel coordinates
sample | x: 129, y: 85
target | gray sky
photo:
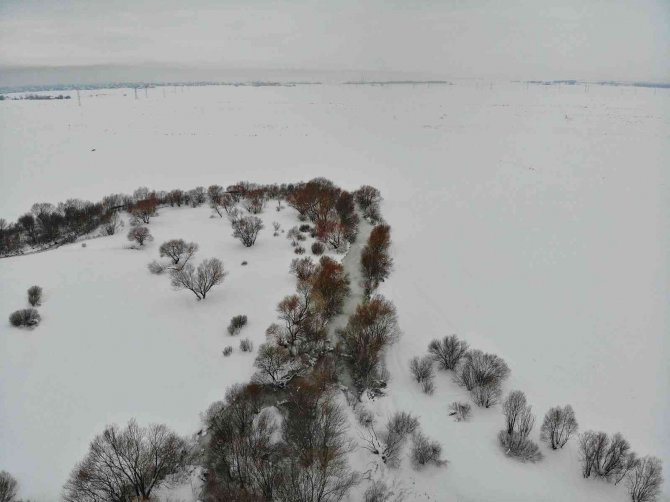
x: 609, y: 39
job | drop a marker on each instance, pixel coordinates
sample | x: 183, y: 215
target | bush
x: 25, y: 317
x: 299, y: 250
x: 448, y: 351
x: 236, y: 324
x: 228, y: 350
x: 303, y: 268
x: 519, y: 421
x: 422, y: 369
x: 305, y: 228
x: 365, y: 416
x: 156, y: 267
x: 8, y: 487
x: 519, y: 447
x: 378, y: 492
x: 460, y: 411
x: 246, y: 345
x: 559, y: 424
x: 34, y: 295
x: 609, y: 458
x: 482, y: 374
x: 389, y: 444
x: 318, y: 248
x: 246, y: 229
x: 425, y: 451
x: 645, y: 479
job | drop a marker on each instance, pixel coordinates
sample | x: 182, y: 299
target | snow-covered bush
x: 34, y: 295
x: 139, y: 235
x: 422, y: 370
x: 519, y: 422
x: 558, y: 426
x: 8, y: 487
x: 25, y: 317
x: 482, y: 374
x: 425, y: 452
x: 318, y: 248
x: 236, y: 324
x: 246, y: 229
x: 460, y: 411
x: 228, y: 350
x: 367, y: 196
x: 144, y: 457
x: 644, y: 480
x: 303, y: 268
x: 299, y: 250
x: 379, y: 492
x: 448, y: 351
x: 156, y: 267
x: 246, y: 345
x: 209, y: 273
x: 364, y: 416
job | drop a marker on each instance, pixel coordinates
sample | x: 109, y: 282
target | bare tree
x: 448, y: 351
x: 514, y: 409
x: 422, y: 370
x: 208, y: 274
x: 139, y: 235
x: 558, y: 426
x: 609, y: 458
x: 178, y: 250
x: 424, y: 451
x: 482, y: 374
x: 122, y: 464
x: 276, y: 366
x: 8, y: 487
x: 388, y: 444
x: 644, y: 480
x: 519, y: 421
x: 246, y: 229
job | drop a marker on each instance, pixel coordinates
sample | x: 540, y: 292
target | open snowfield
x: 531, y: 221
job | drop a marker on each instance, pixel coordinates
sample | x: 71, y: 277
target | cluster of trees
x: 128, y: 464
x: 331, y: 209
x: 28, y: 317
x: 376, y: 262
x: 611, y: 458
x: 296, y: 452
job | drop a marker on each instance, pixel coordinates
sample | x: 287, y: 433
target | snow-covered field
x: 531, y: 221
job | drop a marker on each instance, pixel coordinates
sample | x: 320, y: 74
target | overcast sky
x: 609, y: 39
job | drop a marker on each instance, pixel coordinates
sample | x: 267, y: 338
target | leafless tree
x: 367, y: 196
x: 275, y: 366
x: 482, y: 374
x: 113, y: 224
x: 422, y: 370
x: 379, y: 492
x: 609, y: 458
x: 303, y: 268
x: 208, y: 274
x: 8, y: 487
x: 448, y: 351
x: 246, y: 345
x: 178, y: 250
x: 122, y: 464
x: 34, y: 295
x: 644, y: 480
x: 388, y: 444
x: 515, y: 409
x: 425, y: 452
x: 139, y: 235
x: 558, y: 426
x: 246, y: 229
x: 519, y: 421
x: 592, y: 446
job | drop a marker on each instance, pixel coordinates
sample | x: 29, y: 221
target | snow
x: 531, y: 221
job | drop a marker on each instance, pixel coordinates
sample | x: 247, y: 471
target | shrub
x: 367, y: 196
x: 609, y: 458
x: 246, y: 229
x: 448, y: 351
x: 139, y: 235
x: 299, y: 250
x: 156, y: 267
x: 305, y: 228
x: 245, y: 263
x: 246, y: 345
x: 8, y: 487
x: 460, y: 411
x: 236, y: 324
x: 519, y: 421
x: 519, y: 447
x: 143, y: 458
x: 276, y: 366
x: 318, y: 248
x: 228, y: 350
x: 34, y: 295
x: 389, y: 444
x: 482, y: 374
x: 365, y: 416
x: 559, y: 424
x: 425, y: 451
x: 645, y: 479
x: 25, y: 317
x: 378, y: 492
x: 422, y: 369
x: 303, y: 268
x: 209, y: 273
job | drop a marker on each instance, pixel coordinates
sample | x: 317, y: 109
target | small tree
x: 519, y: 421
x: 422, y: 370
x: 559, y: 424
x: 275, y: 366
x: 126, y: 464
x: 178, y: 250
x: 645, y: 479
x: 448, y: 351
x: 208, y: 274
x: 139, y: 235
x: 34, y: 295
x: 246, y: 229
x: 8, y: 487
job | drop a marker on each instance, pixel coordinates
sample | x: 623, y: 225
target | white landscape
x: 531, y: 221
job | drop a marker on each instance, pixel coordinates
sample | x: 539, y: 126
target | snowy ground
x: 531, y: 221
